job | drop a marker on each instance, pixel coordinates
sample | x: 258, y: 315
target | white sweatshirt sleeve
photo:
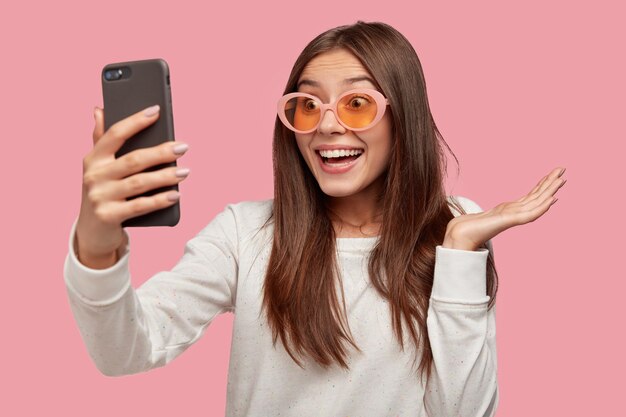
x: 462, y: 334
x: 127, y: 331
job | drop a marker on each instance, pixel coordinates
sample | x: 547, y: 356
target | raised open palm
x: 470, y: 231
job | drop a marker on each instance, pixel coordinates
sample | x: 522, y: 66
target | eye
x: 358, y: 102
x: 310, y: 105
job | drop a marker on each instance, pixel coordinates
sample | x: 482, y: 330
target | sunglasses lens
x: 303, y: 113
x: 357, y: 110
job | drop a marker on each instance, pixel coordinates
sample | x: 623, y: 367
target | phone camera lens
x: 113, y: 74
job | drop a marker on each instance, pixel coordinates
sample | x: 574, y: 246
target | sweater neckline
x: 356, y: 244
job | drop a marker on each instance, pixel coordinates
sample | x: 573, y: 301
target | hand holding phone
x: 112, y: 177
x: 127, y: 88
x: 108, y: 181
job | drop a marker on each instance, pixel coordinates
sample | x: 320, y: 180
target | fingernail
x: 151, y: 111
x: 173, y: 196
x: 95, y: 111
x: 562, y: 171
x: 182, y: 172
x: 180, y: 149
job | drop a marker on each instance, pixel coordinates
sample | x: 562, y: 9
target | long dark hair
x: 299, y: 292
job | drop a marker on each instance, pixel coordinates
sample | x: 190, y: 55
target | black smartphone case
x: 142, y: 84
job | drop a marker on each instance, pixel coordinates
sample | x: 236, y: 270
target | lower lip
x: 336, y: 170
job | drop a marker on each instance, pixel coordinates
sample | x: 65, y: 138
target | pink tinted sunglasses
x: 355, y: 110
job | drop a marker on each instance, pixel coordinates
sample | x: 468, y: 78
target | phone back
x: 134, y: 86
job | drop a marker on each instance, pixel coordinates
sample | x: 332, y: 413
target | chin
x: 337, y: 192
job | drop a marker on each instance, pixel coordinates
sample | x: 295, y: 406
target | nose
x: 330, y: 124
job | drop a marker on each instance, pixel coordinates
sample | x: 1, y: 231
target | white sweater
x: 128, y: 330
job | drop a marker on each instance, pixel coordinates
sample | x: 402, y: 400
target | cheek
x: 301, y: 141
x: 379, y: 141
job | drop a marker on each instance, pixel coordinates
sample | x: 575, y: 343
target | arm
x: 128, y: 331
x: 461, y: 330
x: 462, y: 334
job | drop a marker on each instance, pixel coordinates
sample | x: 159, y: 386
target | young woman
x: 360, y: 289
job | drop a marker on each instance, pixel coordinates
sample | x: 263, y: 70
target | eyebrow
x: 306, y: 81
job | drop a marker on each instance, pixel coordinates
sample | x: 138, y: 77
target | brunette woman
x: 360, y: 289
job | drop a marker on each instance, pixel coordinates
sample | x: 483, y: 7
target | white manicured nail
x: 182, y: 172
x: 151, y: 111
x: 180, y: 149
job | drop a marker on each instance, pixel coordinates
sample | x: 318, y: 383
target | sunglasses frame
x: 381, y: 106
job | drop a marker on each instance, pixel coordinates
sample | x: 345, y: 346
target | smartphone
x: 129, y: 87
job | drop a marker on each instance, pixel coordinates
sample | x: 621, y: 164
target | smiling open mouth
x: 338, y: 160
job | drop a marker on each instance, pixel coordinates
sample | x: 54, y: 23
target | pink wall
x: 515, y: 89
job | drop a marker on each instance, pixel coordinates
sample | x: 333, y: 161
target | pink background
x: 516, y: 90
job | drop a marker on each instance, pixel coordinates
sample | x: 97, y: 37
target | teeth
x: 340, y: 152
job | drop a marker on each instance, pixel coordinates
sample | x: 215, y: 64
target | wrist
x: 98, y: 262
x: 95, y: 261
x: 450, y: 242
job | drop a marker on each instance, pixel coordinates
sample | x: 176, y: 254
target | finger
x: 118, y: 133
x: 98, y: 129
x: 146, y: 181
x: 533, y: 191
x: 542, y: 185
x: 138, y: 184
x: 123, y: 210
x: 530, y: 212
x: 135, y: 161
x: 547, y: 194
x: 547, y: 179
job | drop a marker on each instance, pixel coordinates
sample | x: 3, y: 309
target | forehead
x: 333, y: 68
